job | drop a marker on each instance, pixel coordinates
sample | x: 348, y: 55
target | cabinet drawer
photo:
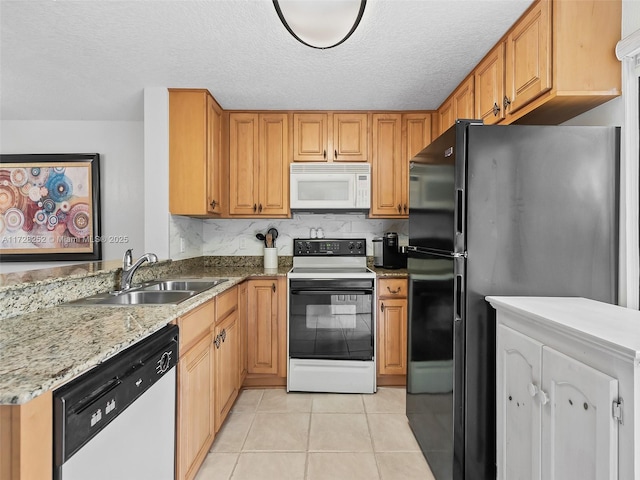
x: 226, y: 303
x: 195, y: 324
x: 392, y: 288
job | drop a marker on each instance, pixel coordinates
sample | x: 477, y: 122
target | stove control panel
x: 329, y: 247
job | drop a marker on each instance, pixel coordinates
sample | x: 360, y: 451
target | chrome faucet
x: 128, y: 269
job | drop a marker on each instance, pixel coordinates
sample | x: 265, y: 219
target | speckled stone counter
x: 43, y: 349
x: 45, y: 343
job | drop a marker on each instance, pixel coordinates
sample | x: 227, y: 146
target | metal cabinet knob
x: 496, y: 109
x: 506, y: 102
x: 213, y: 204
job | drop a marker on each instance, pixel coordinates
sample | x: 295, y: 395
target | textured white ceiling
x: 91, y: 59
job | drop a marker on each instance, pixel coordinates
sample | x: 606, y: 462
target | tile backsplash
x: 237, y: 237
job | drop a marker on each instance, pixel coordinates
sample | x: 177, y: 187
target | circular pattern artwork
x: 46, y: 207
x: 79, y: 221
x: 14, y: 219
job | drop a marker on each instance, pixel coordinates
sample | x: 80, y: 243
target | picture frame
x: 50, y: 207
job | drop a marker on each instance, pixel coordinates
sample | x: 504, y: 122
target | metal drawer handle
x: 394, y: 291
x: 273, y: 287
x: 382, y: 307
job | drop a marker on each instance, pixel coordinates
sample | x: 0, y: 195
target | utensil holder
x: 271, y: 258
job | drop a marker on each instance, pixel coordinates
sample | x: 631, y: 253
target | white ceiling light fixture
x: 320, y: 24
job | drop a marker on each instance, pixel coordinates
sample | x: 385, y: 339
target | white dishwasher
x: 117, y: 421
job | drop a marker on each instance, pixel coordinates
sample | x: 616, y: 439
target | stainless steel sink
x: 183, y: 285
x: 159, y: 292
x: 140, y: 297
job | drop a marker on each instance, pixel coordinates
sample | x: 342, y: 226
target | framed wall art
x: 50, y: 207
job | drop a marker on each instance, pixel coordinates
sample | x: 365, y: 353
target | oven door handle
x: 332, y: 292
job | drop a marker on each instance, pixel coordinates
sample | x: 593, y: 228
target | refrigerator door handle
x: 411, y: 248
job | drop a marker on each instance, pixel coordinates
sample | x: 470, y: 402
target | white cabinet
x: 567, y: 370
x: 554, y: 413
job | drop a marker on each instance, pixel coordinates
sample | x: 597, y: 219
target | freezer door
x: 434, y: 378
x: 436, y: 192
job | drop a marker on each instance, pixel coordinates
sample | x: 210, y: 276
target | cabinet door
x: 243, y: 163
x: 273, y: 197
x: 350, y: 137
x: 387, y: 166
x: 226, y: 366
x: 263, y: 325
x: 519, y: 370
x: 392, y: 337
x: 580, y: 434
x: 463, y: 100
x: 214, y: 156
x: 242, y: 332
x: 446, y: 116
x: 188, y: 131
x: 195, y: 417
x: 310, y: 136
x: 416, y: 128
x: 528, y: 57
x: 489, y: 86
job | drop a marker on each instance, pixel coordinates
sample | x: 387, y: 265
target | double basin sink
x: 159, y: 292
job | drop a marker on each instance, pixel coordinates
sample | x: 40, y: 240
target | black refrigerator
x: 496, y: 210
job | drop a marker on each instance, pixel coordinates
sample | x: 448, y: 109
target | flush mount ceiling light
x: 320, y: 23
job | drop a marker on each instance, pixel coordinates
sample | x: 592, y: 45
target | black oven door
x: 331, y: 319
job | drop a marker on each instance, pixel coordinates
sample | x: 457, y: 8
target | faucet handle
x: 127, y: 259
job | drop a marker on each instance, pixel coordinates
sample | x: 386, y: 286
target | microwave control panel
x: 319, y: 247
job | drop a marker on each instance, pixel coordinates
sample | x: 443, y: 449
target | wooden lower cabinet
x: 227, y: 349
x: 195, y: 416
x: 26, y: 439
x: 242, y: 332
x: 392, y: 332
x: 267, y: 339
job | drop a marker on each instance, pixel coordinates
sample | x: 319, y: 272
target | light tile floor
x: 271, y: 434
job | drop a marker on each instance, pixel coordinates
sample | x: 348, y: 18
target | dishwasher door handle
x: 90, y: 399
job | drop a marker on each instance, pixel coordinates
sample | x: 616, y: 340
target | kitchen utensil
x: 274, y: 234
x: 269, y: 240
x: 261, y: 237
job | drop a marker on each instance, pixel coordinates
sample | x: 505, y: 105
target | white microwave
x: 330, y: 186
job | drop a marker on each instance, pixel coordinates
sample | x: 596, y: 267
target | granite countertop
x: 43, y: 349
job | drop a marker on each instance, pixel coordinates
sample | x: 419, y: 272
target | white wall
x: 120, y: 145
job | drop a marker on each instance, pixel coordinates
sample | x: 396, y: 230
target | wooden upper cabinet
x: 460, y: 104
x: 310, y: 137
x: 259, y: 164
x: 243, y: 163
x: 463, y: 99
x: 387, y: 167
x: 528, y: 54
x: 489, y: 86
x: 330, y: 137
x: 416, y: 129
x: 195, y: 152
x: 557, y: 61
x: 446, y: 116
x: 350, y: 137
